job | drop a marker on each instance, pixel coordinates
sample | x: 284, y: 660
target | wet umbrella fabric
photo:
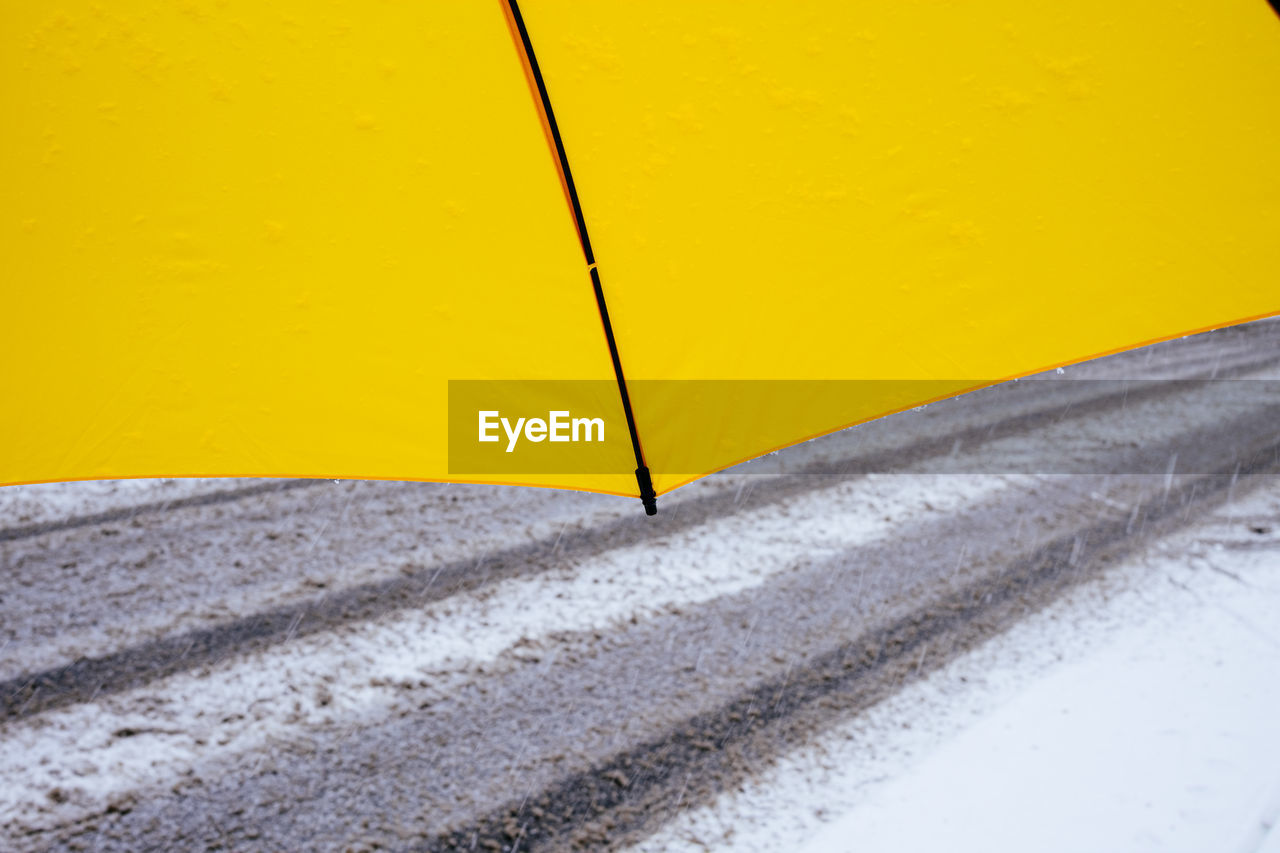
x: 288, y: 240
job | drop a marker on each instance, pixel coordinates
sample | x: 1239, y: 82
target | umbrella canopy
x: 379, y: 240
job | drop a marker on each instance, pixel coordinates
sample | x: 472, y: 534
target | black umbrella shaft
x: 643, y: 479
x: 647, y: 494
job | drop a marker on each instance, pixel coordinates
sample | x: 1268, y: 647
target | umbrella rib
x: 643, y: 478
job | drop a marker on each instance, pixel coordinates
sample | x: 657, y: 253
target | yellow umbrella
x: 375, y: 240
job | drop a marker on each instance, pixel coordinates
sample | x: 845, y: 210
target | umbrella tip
x: 647, y: 494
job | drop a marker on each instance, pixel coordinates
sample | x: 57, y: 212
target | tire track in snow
x: 132, y: 511
x: 448, y: 640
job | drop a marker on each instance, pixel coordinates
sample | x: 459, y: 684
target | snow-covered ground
x: 1139, y: 713
x: 213, y: 664
x: 248, y: 702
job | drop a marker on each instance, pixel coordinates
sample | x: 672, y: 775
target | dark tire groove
x: 11, y: 534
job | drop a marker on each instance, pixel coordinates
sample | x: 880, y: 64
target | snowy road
x: 1136, y: 713
x: 317, y: 665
